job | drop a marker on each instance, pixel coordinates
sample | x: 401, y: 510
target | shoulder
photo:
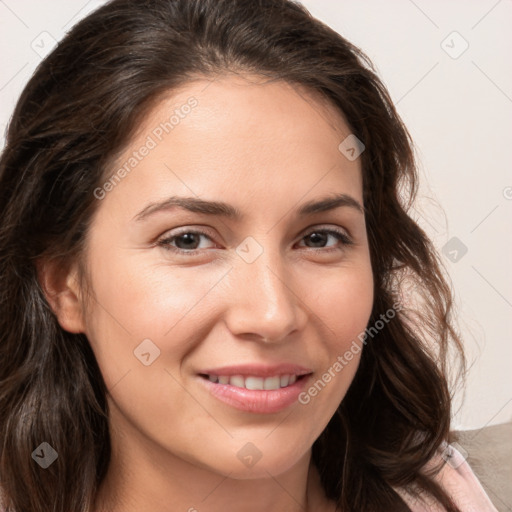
x: 458, y: 480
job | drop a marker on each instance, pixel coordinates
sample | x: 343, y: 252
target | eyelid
x: 328, y: 228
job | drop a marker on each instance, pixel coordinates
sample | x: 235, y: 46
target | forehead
x: 238, y: 134
x: 250, y: 102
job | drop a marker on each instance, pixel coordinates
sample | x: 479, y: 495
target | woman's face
x: 245, y: 284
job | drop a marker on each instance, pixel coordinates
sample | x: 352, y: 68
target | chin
x: 249, y: 462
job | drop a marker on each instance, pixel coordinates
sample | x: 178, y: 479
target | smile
x: 255, y: 388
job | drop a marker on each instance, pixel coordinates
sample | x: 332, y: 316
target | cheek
x: 143, y: 322
x: 141, y: 299
x: 345, y: 305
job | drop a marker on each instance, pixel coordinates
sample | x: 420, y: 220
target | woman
x: 212, y: 295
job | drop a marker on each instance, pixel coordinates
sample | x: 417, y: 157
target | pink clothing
x: 458, y: 480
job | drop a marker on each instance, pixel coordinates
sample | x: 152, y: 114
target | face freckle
x: 232, y: 276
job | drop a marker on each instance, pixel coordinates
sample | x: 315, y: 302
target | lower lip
x: 256, y: 401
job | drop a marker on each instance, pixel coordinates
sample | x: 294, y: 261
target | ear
x: 62, y: 291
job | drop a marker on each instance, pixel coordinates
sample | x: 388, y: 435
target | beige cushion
x: 489, y: 452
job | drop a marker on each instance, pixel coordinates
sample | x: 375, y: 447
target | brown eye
x: 187, y: 241
x: 184, y: 242
x: 320, y: 237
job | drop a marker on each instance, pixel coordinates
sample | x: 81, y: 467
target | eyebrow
x: 219, y: 208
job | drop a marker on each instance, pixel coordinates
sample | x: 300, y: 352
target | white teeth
x: 272, y: 383
x: 238, y: 381
x: 255, y: 383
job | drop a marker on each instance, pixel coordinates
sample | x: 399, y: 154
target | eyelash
x: 340, y: 235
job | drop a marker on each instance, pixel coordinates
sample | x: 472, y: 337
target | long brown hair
x: 75, y: 115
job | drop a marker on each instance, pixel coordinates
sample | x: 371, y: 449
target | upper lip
x: 258, y: 370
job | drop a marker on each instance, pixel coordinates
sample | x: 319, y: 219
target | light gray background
x: 457, y: 105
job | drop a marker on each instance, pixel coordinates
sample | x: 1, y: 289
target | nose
x: 265, y: 302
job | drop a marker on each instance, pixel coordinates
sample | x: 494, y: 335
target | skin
x: 265, y: 147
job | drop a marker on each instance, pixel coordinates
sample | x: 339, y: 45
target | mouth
x: 256, y: 389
